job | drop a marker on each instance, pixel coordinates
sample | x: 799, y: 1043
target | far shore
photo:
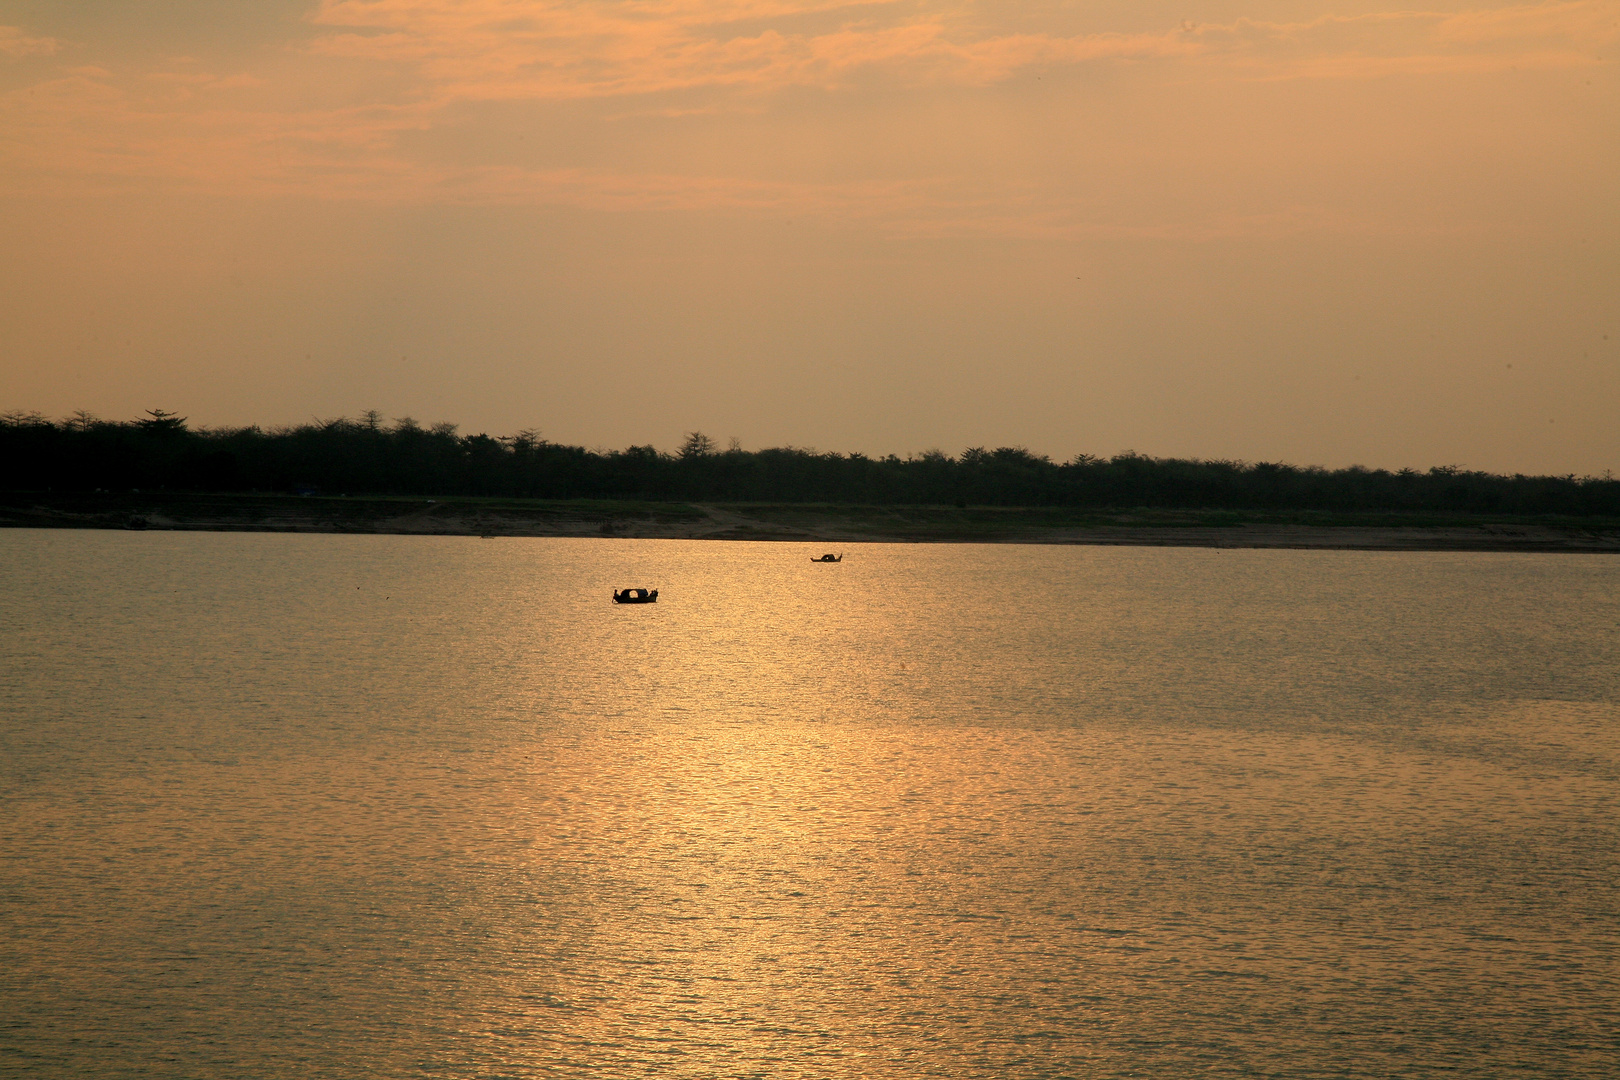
x: 812, y: 524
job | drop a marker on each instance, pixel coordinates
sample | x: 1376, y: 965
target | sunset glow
x: 1271, y: 229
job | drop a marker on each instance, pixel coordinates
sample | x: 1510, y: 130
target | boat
x: 635, y: 596
x: 828, y: 558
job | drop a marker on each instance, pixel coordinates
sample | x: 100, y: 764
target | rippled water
x: 326, y: 806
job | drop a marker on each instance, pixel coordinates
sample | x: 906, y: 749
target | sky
x: 1337, y: 232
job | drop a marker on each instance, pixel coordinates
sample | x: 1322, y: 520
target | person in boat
x: 635, y: 596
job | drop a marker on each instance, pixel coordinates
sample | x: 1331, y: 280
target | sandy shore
x: 809, y: 524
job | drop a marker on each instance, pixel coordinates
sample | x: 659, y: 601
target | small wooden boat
x: 635, y: 596
x: 829, y: 558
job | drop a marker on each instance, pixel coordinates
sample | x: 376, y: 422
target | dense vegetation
x: 364, y: 456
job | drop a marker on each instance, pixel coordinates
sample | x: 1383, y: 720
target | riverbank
x: 822, y: 524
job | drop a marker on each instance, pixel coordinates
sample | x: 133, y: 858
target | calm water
x: 324, y: 806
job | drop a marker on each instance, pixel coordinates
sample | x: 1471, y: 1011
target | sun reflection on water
x: 938, y: 811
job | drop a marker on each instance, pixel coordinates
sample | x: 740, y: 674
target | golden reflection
x: 786, y: 824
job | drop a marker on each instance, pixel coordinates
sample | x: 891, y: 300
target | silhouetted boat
x: 635, y: 596
x: 828, y: 558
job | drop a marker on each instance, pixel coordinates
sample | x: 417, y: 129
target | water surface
x: 348, y: 806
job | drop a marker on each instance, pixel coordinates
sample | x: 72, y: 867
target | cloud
x: 486, y: 49
x: 17, y: 44
x: 1416, y: 42
x: 1587, y: 22
x: 354, y: 113
x: 91, y: 131
x: 548, y: 49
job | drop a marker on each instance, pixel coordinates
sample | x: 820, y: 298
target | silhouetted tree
x: 697, y: 445
x: 159, y: 422
x: 364, y: 456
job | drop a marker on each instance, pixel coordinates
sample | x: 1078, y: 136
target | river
x: 383, y: 806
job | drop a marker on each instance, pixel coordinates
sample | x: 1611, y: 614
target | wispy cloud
x: 424, y: 66
x: 16, y: 44
x: 545, y: 49
x: 492, y: 49
x: 1587, y: 22
x: 1417, y: 42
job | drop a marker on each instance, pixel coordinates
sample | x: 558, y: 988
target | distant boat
x: 635, y: 596
x: 829, y: 558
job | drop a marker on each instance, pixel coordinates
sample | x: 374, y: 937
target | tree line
x: 364, y: 455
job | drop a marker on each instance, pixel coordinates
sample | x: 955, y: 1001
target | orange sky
x: 1333, y: 233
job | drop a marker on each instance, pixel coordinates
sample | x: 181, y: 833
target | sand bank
x: 811, y: 524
